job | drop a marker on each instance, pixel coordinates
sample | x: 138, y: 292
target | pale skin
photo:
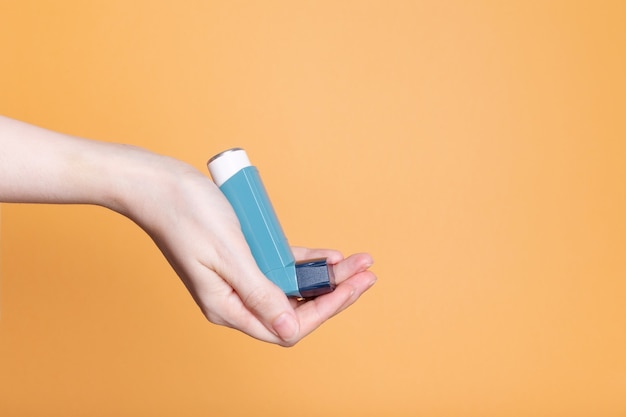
x: 187, y: 217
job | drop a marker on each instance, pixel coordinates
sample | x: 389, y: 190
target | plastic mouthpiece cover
x: 315, y: 277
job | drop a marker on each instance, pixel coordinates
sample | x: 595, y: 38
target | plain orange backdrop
x: 476, y: 148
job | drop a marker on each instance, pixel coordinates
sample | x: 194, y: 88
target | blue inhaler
x: 240, y: 182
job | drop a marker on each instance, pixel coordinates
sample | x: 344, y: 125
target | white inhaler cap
x: 226, y: 164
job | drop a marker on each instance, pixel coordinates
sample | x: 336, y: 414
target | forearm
x: 186, y: 215
x: 42, y: 166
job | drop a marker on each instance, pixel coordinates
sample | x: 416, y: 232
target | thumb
x: 265, y: 300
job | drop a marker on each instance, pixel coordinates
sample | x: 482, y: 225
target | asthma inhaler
x: 241, y: 183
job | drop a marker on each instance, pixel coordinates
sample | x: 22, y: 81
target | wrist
x: 139, y: 183
x: 125, y: 177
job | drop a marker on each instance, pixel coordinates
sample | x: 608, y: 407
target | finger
x: 352, y: 265
x: 315, y: 312
x: 343, y: 270
x: 301, y: 253
x: 265, y: 300
x: 222, y: 304
x: 371, y: 280
x: 237, y: 316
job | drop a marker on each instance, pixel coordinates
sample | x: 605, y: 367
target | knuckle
x: 257, y: 299
x: 215, y: 318
x: 289, y: 344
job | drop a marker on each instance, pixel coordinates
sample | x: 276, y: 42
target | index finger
x: 353, y: 280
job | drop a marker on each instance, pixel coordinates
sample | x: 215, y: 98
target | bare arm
x: 185, y: 214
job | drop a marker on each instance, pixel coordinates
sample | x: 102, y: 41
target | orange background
x: 476, y: 149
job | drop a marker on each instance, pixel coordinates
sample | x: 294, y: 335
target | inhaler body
x: 241, y: 184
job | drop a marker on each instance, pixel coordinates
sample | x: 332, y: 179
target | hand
x: 186, y: 215
x: 197, y: 231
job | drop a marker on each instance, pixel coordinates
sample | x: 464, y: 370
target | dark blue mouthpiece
x: 315, y: 277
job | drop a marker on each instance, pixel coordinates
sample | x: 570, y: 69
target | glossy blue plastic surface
x: 261, y: 228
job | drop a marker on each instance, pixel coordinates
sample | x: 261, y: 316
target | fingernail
x: 286, y: 327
